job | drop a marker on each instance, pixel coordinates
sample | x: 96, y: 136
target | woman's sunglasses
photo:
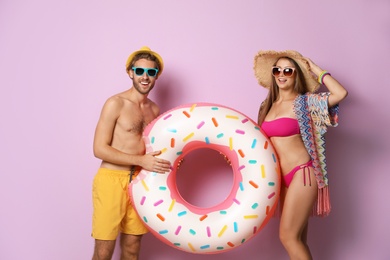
x: 140, y: 71
x: 288, y: 72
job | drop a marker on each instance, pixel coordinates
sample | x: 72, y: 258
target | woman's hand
x: 337, y: 91
x: 314, y: 67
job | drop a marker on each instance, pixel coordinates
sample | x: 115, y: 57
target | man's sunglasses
x: 288, y: 72
x: 140, y: 71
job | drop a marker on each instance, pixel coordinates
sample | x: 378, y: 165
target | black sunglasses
x: 152, y: 72
x: 288, y: 72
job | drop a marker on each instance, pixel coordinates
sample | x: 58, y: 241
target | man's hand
x: 151, y: 163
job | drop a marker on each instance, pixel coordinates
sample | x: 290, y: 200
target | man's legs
x: 130, y: 246
x: 103, y: 249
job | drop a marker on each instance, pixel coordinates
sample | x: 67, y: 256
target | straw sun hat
x: 264, y: 60
x: 145, y: 49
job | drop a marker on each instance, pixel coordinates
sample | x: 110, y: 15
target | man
x: 118, y: 143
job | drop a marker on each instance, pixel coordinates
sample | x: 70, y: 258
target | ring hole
x: 204, y: 178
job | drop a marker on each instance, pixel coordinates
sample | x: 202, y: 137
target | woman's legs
x: 297, y: 206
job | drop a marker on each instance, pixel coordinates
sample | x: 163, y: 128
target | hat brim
x: 264, y: 60
x: 145, y: 50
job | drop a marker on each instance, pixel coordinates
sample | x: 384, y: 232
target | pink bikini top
x: 284, y: 126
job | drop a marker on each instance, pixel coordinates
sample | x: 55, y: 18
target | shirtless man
x: 118, y: 143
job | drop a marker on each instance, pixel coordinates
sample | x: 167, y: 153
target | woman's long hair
x: 300, y: 87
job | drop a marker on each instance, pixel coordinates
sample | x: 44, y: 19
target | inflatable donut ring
x: 256, y: 179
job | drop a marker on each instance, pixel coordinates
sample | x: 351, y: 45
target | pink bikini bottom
x: 287, y: 179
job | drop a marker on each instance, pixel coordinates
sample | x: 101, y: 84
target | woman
x: 295, y: 119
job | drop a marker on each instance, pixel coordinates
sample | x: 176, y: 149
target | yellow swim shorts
x: 112, y: 209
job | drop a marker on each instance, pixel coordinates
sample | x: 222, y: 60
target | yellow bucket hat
x: 145, y: 49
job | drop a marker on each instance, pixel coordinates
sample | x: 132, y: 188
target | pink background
x: 60, y: 60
